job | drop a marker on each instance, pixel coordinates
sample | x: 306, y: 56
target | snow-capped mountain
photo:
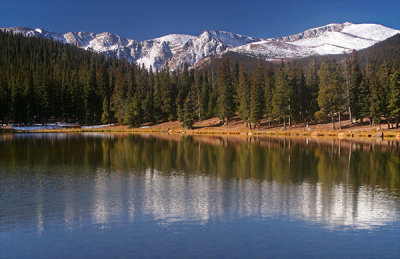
x: 333, y: 38
x: 178, y: 49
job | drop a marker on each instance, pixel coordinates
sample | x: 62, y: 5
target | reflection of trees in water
x: 173, y: 178
x: 285, y: 160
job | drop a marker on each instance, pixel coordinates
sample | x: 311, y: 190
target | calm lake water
x: 125, y: 196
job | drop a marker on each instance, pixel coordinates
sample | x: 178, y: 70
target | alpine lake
x: 94, y: 195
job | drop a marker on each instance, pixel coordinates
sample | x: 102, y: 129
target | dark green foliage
x: 244, y: 95
x: 268, y: 92
x: 92, y: 99
x: 311, y: 84
x: 375, y: 99
x: 204, y: 99
x: 394, y: 97
x: 106, y: 116
x: 184, y: 85
x: 5, y: 99
x: 331, y: 89
x: 148, y: 107
x: 44, y: 81
x: 189, y: 112
x: 225, y: 93
x: 134, y: 115
x: 358, y: 90
x: 257, y: 98
x: 281, y: 97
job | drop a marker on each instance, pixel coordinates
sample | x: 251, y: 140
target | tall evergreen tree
x: 184, y: 86
x: 268, y: 93
x: 257, y: 101
x: 375, y: 111
x: 281, y: 97
x: 331, y: 89
x: 244, y: 95
x: 5, y: 98
x: 134, y: 114
x: 204, y: 96
x: 225, y: 93
x: 189, y: 111
x: 91, y: 98
x: 394, y: 97
x: 119, y: 96
x: 311, y: 82
x: 358, y: 92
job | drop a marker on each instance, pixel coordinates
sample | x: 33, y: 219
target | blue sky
x: 147, y: 19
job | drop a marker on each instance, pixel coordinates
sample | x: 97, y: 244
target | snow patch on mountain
x: 178, y: 49
x: 333, y: 38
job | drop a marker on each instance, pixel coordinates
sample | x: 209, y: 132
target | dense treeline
x: 42, y: 80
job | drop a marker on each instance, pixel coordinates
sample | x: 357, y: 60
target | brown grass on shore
x: 213, y: 126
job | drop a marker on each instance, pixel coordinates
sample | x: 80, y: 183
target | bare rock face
x: 178, y: 49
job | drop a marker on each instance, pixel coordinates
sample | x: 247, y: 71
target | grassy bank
x: 237, y: 127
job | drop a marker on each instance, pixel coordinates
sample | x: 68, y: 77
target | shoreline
x: 223, y: 131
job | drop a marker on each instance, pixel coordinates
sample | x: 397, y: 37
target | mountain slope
x: 178, y: 49
x: 330, y: 39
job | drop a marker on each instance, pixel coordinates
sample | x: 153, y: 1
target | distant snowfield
x: 178, y: 49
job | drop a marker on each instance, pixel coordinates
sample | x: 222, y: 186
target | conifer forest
x: 46, y: 81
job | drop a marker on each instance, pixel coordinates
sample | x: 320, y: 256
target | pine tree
x: 357, y: 90
x: 236, y: 86
x: 244, y: 95
x: 91, y: 98
x: 148, y: 107
x: 119, y: 96
x: 331, y: 89
x: 204, y: 96
x: 298, y: 103
x: 362, y: 96
x: 43, y: 94
x: 281, y: 96
x: 5, y: 98
x: 394, y: 99
x: 225, y: 93
x: 103, y: 83
x: 311, y: 82
x: 257, y: 101
x: 134, y: 115
x: 29, y: 96
x: 375, y: 111
x: 268, y: 93
x: 184, y: 86
x: 383, y: 75
x: 189, y: 112
x: 106, y: 116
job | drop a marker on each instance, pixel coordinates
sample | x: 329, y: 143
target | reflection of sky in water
x: 201, y: 198
x: 95, y: 192
x: 106, y: 198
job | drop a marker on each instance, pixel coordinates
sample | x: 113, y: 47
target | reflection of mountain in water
x: 94, y: 180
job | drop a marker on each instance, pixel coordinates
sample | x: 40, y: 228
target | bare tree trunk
x: 284, y: 123
x: 333, y: 121
x: 290, y: 122
x: 340, y: 122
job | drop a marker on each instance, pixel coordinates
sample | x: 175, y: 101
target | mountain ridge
x: 178, y: 49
